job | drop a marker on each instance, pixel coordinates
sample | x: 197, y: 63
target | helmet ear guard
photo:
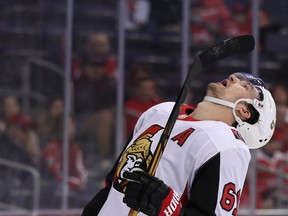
x: 258, y: 134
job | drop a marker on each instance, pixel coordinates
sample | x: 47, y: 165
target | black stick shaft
x: 195, y: 70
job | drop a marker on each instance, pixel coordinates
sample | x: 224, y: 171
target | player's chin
x: 213, y: 89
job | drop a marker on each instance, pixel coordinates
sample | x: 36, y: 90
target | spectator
x: 137, y: 71
x: 52, y: 155
x: 241, y: 23
x: 144, y: 96
x: 97, y: 48
x: 21, y: 133
x: 20, y: 144
x: 95, y: 97
x: 12, y: 111
x: 18, y: 130
x: 138, y: 12
x: 49, y: 120
x: 210, y: 18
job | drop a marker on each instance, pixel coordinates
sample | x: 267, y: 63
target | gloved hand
x: 150, y: 195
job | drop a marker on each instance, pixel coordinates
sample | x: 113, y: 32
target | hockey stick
x: 229, y: 47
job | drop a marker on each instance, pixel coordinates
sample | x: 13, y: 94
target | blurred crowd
x: 37, y: 139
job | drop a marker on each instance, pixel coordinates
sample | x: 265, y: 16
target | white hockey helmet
x: 258, y: 134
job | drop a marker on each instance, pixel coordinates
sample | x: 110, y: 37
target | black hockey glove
x: 150, y: 195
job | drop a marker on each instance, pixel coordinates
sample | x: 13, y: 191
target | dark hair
x: 253, y: 118
x: 254, y: 115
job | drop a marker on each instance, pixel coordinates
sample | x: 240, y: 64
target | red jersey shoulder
x: 185, y: 111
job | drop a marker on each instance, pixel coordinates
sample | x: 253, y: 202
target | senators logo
x: 136, y: 155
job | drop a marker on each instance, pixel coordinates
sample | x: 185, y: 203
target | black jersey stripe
x: 204, y: 191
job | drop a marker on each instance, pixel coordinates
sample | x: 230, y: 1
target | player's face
x: 236, y: 86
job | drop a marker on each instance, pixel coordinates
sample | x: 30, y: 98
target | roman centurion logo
x: 138, y: 154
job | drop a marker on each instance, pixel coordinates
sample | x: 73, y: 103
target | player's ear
x: 242, y: 111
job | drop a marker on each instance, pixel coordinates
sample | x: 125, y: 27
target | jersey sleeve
x: 218, y: 184
x: 159, y: 111
x: 204, y: 190
x: 233, y: 169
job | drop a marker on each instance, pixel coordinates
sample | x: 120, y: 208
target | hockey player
x: 204, y: 165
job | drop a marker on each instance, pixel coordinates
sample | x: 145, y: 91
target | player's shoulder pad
x: 162, y: 107
x: 157, y: 112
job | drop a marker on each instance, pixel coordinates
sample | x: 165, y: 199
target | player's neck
x: 210, y: 111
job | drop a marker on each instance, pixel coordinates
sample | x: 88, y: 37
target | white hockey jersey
x: 205, y: 162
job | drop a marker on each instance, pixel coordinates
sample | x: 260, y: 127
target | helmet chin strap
x: 220, y: 101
